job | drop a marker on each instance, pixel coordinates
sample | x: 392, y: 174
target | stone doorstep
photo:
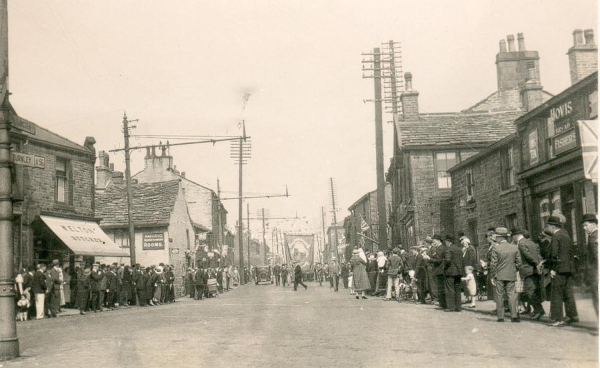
x: 586, y: 325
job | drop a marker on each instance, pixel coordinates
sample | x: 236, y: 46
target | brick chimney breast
x: 583, y: 57
x: 512, y: 65
x: 410, y: 100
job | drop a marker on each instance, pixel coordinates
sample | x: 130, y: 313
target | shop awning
x: 84, y: 238
x: 588, y: 131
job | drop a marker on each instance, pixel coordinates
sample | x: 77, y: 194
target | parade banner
x: 300, y: 248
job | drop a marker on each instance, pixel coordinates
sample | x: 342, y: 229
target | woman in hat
x: 360, y: 279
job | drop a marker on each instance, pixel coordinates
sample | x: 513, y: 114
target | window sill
x: 508, y: 191
x: 64, y: 206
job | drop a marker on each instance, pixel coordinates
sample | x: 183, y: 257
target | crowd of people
x: 207, y: 283
x: 514, y: 270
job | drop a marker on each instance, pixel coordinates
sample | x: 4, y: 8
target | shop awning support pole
x: 9, y: 343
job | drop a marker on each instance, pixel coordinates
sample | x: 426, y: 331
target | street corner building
x: 546, y: 167
x: 53, y: 195
x: 362, y: 225
x: 428, y: 145
x: 163, y: 228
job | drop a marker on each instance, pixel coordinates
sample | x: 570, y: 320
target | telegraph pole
x: 381, y: 210
x: 324, y: 236
x: 249, y: 236
x: 334, y: 218
x: 220, y: 241
x: 126, y: 128
x: 264, y: 240
x: 9, y: 343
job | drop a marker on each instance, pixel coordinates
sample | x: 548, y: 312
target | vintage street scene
x: 298, y: 183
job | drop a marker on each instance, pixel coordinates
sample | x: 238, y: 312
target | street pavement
x: 268, y: 326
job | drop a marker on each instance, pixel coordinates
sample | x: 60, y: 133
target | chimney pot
x: 577, y: 37
x: 147, y: 152
x: 183, y: 174
x: 511, y: 43
x: 502, y: 46
x: 589, y: 36
x: 112, y: 167
x: 408, y: 80
x: 521, y: 40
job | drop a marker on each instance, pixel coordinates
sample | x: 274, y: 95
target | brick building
x: 164, y: 232
x: 366, y: 209
x: 204, y: 205
x: 538, y: 171
x: 426, y: 146
x: 53, y: 192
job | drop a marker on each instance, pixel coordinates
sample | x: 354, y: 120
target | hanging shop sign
x: 153, y: 241
x: 565, y: 141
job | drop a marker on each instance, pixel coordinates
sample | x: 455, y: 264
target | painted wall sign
x: 559, y: 112
x: 153, y: 241
x: 28, y: 160
x: 565, y: 141
x: 533, y: 148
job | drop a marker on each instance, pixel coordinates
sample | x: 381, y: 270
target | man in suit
x: 200, y: 284
x: 421, y: 275
x: 590, y: 225
x: 334, y: 272
x: 95, y: 284
x: 504, y: 264
x: 436, y: 258
x: 562, y: 269
x: 49, y: 290
x: 298, y: 277
x: 140, y: 285
x: 453, y: 271
x: 531, y: 258
x: 284, y: 275
x: 38, y: 286
x: 112, y: 284
x: 277, y: 274
x: 55, y: 293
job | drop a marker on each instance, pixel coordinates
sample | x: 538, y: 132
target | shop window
x: 508, y: 168
x: 63, y: 189
x: 593, y: 105
x: 443, y: 162
x: 470, y: 184
x: 549, y: 204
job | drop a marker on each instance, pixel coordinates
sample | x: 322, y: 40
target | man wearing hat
x: 562, y: 269
x: 54, y: 303
x: 453, y: 271
x: 436, y: 258
x: 531, y: 258
x: 590, y: 225
x: 95, y: 279
x: 504, y: 264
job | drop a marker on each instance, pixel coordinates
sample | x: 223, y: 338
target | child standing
x: 471, y: 286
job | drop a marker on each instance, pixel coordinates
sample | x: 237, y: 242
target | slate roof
x: 152, y: 204
x: 502, y: 100
x: 456, y: 129
x: 44, y: 135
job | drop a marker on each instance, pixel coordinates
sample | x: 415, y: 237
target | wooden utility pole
x: 126, y: 128
x: 220, y: 242
x: 334, y: 218
x: 327, y: 256
x: 381, y: 210
x: 9, y: 343
x: 264, y: 240
x: 249, y: 235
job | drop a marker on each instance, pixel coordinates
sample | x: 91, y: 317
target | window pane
x: 61, y: 184
x: 61, y: 165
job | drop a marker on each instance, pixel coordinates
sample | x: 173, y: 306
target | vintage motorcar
x: 263, y: 274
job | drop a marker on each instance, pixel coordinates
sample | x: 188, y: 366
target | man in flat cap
x: 436, y: 258
x: 562, y: 269
x: 590, y: 225
x: 504, y: 264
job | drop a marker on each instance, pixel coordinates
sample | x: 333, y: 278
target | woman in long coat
x: 360, y: 279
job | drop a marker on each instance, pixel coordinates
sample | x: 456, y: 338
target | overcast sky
x: 182, y: 67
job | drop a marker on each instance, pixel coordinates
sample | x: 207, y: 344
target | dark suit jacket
x: 38, y: 284
x: 530, y: 256
x: 112, y: 281
x: 505, y: 262
x: 469, y: 258
x: 561, y: 253
x: 298, y: 273
x: 140, y: 281
x: 592, y: 250
x: 277, y: 270
x: 453, y: 261
x: 95, y: 278
x: 437, y: 259
x: 49, y: 281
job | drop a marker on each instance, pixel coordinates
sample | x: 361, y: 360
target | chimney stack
x: 583, y: 57
x: 409, y: 100
x: 512, y: 66
x: 532, y: 94
x: 521, y: 40
x: 103, y: 170
x: 511, y: 43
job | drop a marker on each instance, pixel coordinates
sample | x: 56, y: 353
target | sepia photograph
x: 298, y: 183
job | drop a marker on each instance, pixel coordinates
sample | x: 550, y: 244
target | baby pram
x: 212, y: 287
x: 407, y: 288
x: 481, y: 280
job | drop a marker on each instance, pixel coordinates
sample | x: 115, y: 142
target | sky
x: 182, y: 67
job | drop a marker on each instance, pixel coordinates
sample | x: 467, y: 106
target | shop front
x: 560, y: 153
x: 73, y: 242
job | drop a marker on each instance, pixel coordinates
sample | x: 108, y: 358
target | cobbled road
x: 268, y: 326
